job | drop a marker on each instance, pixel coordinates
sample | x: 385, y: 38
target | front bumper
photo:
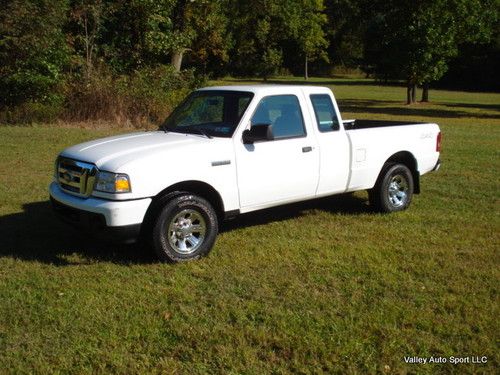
x: 117, y: 220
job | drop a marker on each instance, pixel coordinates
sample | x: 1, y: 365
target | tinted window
x: 243, y: 104
x: 325, y: 113
x: 283, y: 113
x: 216, y: 113
x: 201, y: 110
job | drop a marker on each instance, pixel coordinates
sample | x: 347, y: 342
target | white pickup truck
x: 231, y: 150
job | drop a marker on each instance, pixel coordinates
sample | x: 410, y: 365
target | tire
x: 185, y: 228
x: 394, y: 189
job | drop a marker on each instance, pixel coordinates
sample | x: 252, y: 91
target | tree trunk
x: 306, y: 73
x: 88, y: 49
x: 409, y: 95
x: 177, y: 60
x: 425, y: 93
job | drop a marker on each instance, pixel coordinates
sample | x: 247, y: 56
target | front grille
x: 76, y: 177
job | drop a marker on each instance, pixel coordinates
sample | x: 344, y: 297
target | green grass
x: 321, y: 287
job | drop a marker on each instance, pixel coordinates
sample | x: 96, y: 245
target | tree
x: 166, y: 33
x: 416, y: 40
x: 89, y: 17
x: 33, y: 51
x: 174, y: 27
x: 347, y: 20
x: 307, y: 28
x: 256, y: 29
x: 210, y: 42
x: 264, y: 30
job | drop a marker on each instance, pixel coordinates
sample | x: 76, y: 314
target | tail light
x: 438, y: 142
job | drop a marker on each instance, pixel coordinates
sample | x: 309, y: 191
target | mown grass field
x: 321, y: 287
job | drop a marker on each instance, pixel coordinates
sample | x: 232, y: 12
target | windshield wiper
x: 164, y: 128
x: 202, y: 132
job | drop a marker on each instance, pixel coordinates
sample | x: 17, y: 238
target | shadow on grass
x: 488, y: 107
x: 385, y: 107
x: 36, y: 234
x: 343, y: 204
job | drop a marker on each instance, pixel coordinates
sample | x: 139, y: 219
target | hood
x: 113, y: 152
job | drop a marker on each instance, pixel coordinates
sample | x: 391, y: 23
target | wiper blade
x: 202, y: 132
x: 164, y: 128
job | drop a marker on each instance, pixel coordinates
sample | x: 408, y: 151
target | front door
x: 279, y: 170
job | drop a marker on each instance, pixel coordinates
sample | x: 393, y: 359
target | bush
x: 32, y: 112
x: 33, y: 53
x: 144, y: 97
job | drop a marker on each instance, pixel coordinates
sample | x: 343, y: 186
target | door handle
x: 307, y: 149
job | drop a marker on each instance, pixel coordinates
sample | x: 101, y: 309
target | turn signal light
x: 122, y: 184
x: 438, y: 142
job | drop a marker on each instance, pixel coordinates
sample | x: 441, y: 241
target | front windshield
x: 212, y: 113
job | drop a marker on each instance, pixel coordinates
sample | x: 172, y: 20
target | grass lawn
x: 321, y: 287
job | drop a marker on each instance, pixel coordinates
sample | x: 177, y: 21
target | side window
x: 325, y: 113
x: 283, y: 113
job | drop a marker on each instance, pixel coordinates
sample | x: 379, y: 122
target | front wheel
x: 185, y: 228
x: 393, y: 190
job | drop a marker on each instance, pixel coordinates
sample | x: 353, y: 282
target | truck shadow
x: 36, y: 234
x: 346, y: 204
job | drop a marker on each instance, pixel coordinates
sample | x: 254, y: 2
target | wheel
x: 185, y: 228
x: 393, y: 190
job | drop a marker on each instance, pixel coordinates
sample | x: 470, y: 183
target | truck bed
x: 365, y: 124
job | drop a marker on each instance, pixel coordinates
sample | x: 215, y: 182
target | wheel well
x: 407, y: 158
x: 200, y: 188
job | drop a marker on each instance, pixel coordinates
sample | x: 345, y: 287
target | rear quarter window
x: 326, y: 117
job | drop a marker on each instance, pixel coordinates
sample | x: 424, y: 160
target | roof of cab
x: 269, y: 88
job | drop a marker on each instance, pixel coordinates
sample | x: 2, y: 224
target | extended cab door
x: 334, y: 146
x: 283, y: 169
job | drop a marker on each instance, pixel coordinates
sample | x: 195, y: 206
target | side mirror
x: 258, y: 133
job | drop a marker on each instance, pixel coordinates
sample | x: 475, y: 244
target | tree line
x: 52, y: 51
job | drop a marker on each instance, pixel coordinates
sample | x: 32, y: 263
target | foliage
x: 307, y: 29
x: 258, y: 29
x: 264, y: 30
x: 347, y: 20
x: 476, y: 65
x: 140, y: 98
x: 416, y: 41
x: 163, y: 35
x: 33, y: 52
x: 47, y: 46
x: 84, y: 29
x: 210, y: 47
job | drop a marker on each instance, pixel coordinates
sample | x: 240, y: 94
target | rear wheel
x: 393, y: 190
x: 185, y: 228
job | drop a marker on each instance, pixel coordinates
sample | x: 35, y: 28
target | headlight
x: 112, y: 182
